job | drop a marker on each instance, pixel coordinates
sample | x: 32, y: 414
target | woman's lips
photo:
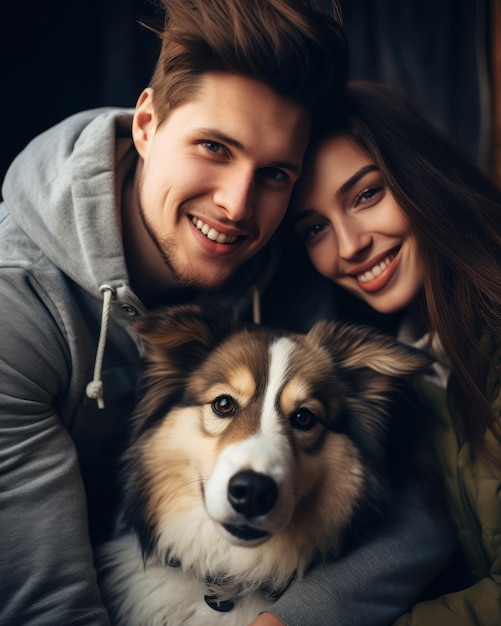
x: 378, y: 275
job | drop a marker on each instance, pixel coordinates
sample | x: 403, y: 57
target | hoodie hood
x: 61, y: 191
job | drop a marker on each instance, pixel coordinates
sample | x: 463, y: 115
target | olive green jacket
x: 473, y: 495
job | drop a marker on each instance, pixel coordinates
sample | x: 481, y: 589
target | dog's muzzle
x: 251, y: 495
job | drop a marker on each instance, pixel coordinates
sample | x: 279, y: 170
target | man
x: 111, y: 213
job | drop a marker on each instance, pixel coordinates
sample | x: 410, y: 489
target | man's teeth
x: 376, y: 270
x: 212, y: 233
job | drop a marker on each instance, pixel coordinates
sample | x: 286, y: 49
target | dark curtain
x: 61, y: 56
x: 438, y: 51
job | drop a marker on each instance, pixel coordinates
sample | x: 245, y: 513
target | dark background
x: 61, y: 56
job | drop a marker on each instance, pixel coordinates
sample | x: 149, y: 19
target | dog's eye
x: 303, y: 419
x: 224, y: 406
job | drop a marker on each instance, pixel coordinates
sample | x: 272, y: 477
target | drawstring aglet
x: 95, y: 391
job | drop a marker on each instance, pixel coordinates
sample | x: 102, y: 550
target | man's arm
x: 46, y: 571
x: 380, y: 579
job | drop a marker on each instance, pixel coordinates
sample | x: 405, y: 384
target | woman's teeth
x: 377, y: 269
x: 212, y: 233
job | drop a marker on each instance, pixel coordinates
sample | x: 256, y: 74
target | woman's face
x: 354, y: 231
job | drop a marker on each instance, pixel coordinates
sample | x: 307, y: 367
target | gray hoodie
x: 64, y: 291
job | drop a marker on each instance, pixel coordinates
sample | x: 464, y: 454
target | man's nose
x: 352, y: 240
x: 235, y: 194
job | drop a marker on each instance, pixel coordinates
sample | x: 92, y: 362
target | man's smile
x: 211, y: 233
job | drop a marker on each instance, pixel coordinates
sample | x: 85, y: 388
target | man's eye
x: 212, y: 146
x: 274, y: 174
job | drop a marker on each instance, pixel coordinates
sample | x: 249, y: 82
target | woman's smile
x: 379, y: 272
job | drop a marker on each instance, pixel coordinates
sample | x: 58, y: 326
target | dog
x: 254, y: 454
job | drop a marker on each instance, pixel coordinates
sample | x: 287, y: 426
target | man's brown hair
x: 295, y: 47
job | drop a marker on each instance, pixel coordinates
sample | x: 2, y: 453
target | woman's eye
x: 368, y: 195
x: 309, y: 233
x: 303, y: 419
x: 224, y: 406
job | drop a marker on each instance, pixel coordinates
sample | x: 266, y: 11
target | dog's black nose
x: 252, y: 494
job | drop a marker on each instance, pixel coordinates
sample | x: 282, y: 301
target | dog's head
x: 251, y: 435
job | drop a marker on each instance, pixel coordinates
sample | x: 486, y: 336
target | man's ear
x: 144, y: 122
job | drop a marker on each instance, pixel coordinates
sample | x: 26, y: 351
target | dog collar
x: 221, y: 603
x: 224, y: 606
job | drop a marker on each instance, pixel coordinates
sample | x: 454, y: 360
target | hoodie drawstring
x: 95, y: 388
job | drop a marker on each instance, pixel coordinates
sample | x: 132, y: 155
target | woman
x: 395, y: 214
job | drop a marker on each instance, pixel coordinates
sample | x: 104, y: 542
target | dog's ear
x: 359, y: 347
x: 176, y: 341
x: 374, y: 369
x: 188, y: 331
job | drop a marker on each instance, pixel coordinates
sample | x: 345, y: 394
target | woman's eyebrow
x: 301, y: 215
x: 345, y: 187
x: 353, y: 180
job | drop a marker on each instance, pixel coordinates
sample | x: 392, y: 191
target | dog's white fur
x: 197, y: 535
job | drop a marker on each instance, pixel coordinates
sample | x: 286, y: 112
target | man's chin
x: 206, y: 282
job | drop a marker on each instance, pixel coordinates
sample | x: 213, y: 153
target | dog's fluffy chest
x: 161, y: 595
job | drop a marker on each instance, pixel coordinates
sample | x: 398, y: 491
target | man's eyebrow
x: 220, y: 136
x: 353, y: 180
x: 231, y: 141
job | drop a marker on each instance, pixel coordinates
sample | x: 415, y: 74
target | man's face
x: 217, y: 175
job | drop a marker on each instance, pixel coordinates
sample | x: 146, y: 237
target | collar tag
x: 223, y: 606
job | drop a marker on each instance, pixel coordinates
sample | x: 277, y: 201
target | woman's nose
x: 352, y: 240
